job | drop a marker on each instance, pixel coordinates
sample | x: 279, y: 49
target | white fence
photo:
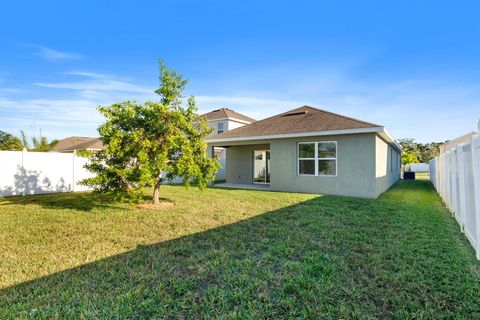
x: 23, y: 172
x: 456, y: 177
x: 417, y: 167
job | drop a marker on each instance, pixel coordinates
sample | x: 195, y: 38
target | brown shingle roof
x: 227, y: 113
x: 303, y: 119
x: 78, y: 143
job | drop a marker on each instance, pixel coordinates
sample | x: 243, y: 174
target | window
x: 317, y: 158
x: 306, y: 158
x: 220, y: 127
x: 391, y: 159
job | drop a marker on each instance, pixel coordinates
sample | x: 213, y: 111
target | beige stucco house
x: 313, y: 151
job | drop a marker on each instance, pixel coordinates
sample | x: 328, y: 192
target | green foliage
x: 418, y: 152
x: 408, y: 157
x: 12, y: 143
x: 9, y: 142
x: 148, y: 143
x: 41, y: 144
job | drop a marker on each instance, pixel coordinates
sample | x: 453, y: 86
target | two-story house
x: 223, y: 120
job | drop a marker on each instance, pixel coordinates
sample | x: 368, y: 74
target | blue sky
x: 412, y: 66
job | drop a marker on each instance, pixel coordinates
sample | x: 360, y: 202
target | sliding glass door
x: 261, y: 166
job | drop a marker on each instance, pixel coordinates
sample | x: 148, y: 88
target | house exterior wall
x: 228, y: 124
x: 214, y: 124
x: 232, y: 124
x: 387, y: 161
x: 240, y: 162
x: 355, y: 167
x: 363, y: 165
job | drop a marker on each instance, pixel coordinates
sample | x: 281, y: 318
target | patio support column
x: 210, y: 152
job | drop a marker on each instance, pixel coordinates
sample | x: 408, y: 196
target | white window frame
x: 223, y: 127
x: 316, y: 159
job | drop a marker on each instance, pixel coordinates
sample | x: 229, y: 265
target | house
x: 223, y: 120
x: 452, y: 144
x: 72, y: 144
x: 313, y: 151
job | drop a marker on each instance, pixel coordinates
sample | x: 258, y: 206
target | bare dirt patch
x: 161, y: 206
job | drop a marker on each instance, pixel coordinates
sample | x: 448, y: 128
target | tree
x: 41, y: 144
x: 151, y: 142
x: 9, y: 142
x: 420, y: 152
x: 408, y: 157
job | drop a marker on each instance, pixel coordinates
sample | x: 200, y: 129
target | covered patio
x: 246, y: 165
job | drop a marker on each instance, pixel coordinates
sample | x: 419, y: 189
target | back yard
x: 236, y: 253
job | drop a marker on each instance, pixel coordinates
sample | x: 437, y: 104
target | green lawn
x: 237, y: 254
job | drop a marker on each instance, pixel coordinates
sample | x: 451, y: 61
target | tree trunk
x: 156, y: 191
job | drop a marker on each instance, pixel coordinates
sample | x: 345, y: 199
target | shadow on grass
x: 328, y: 257
x: 81, y: 201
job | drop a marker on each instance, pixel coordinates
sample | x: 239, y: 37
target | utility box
x: 409, y: 175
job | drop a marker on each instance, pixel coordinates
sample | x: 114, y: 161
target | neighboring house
x: 312, y: 151
x: 223, y: 120
x: 452, y: 144
x: 72, y: 144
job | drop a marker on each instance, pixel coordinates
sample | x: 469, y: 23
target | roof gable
x: 225, y: 113
x: 78, y: 143
x: 303, y: 119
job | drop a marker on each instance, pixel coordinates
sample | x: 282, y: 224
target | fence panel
x: 455, y: 175
x: 23, y: 172
x: 476, y: 183
x: 79, y: 173
x: 46, y: 172
x: 10, y: 164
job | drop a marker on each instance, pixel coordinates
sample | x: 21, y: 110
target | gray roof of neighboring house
x: 303, y: 119
x: 223, y: 113
x: 78, y: 143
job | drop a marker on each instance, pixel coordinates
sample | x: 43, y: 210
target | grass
x: 237, y: 254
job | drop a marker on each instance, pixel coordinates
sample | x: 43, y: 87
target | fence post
x: 24, y: 172
x: 73, y: 170
x: 462, y: 187
x: 448, y: 181
x: 476, y: 182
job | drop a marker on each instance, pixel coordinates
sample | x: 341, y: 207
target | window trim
x: 223, y: 127
x: 316, y: 159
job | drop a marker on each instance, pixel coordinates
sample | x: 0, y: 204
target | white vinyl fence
x: 23, y: 172
x: 456, y: 177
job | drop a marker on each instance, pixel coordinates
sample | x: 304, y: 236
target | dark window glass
x: 327, y: 167
x: 306, y: 167
x: 306, y: 150
x: 327, y: 150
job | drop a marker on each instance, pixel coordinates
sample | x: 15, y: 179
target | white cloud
x: 55, y: 55
x: 57, y: 117
x: 101, y: 86
x: 77, y: 113
x: 9, y: 90
x: 423, y: 109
